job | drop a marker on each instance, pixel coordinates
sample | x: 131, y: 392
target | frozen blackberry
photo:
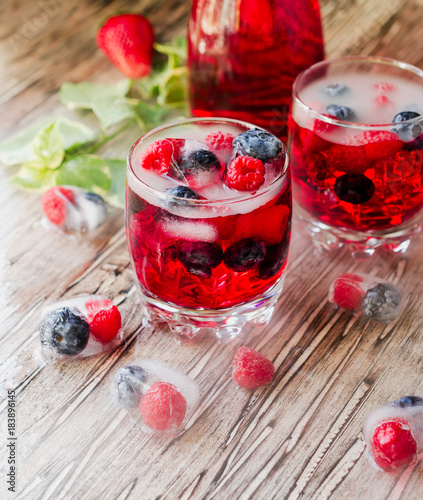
x: 200, y: 258
x: 340, y: 112
x: 407, y: 132
x: 407, y: 401
x: 245, y: 254
x: 130, y: 385
x: 382, y: 302
x: 65, y: 332
x: 183, y: 196
x: 354, y: 188
x: 258, y: 144
x: 334, y: 89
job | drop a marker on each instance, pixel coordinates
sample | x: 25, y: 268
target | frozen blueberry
x: 382, y: 302
x: 408, y: 131
x: 407, y: 401
x: 199, y: 161
x: 64, y: 332
x: 130, y: 385
x: 258, y: 144
x: 199, y: 257
x: 354, y: 188
x: 245, y: 254
x: 334, y: 89
x: 183, y: 196
x: 275, y: 257
x: 340, y: 112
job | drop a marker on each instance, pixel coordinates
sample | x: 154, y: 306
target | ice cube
x: 394, y: 433
x: 366, y: 295
x: 79, y: 327
x: 190, y: 230
x: 72, y: 209
x: 157, y: 397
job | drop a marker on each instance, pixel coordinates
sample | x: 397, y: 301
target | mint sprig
x: 67, y: 151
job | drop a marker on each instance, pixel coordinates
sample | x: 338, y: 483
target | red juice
x: 243, y: 60
x: 213, y: 251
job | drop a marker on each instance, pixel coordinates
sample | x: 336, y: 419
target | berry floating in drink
x: 159, y: 398
x: 72, y: 209
x: 79, y: 327
x: 366, y: 295
x: 394, y: 433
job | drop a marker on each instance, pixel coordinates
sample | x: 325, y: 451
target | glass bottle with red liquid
x: 244, y: 55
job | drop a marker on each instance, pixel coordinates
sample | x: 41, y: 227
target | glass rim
x: 245, y: 196
x: 387, y: 61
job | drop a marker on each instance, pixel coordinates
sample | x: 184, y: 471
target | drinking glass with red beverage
x: 208, y: 219
x: 356, y: 152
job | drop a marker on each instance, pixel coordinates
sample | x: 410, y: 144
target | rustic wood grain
x: 300, y: 437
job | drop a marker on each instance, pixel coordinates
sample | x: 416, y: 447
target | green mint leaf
x: 106, y: 101
x: 173, y: 88
x: 33, y: 176
x: 116, y: 194
x: 74, y: 133
x: 86, y: 171
x: 19, y: 149
x: 149, y: 114
x: 48, y: 146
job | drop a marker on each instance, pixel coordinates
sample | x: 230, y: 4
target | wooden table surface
x: 299, y: 437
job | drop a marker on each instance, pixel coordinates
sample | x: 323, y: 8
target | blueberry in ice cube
x: 65, y: 332
x: 257, y: 144
x: 408, y: 131
x: 199, y: 257
x: 340, y: 112
x: 179, y: 196
x: 130, y: 382
x: 334, y: 89
x: 382, y: 302
x: 407, y: 401
x: 198, y: 162
x: 354, y: 188
x: 245, y: 254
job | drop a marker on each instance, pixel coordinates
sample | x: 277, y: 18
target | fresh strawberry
x: 55, y: 201
x: 163, y: 407
x: 393, y: 444
x: 250, y: 369
x: 127, y: 40
x: 245, y: 173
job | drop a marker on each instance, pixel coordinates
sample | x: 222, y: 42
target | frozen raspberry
x: 163, y: 407
x: 54, y: 202
x: 352, y: 158
x: 322, y: 126
x: 158, y: 157
x: 378, y: 144
x: 393, y: 444
x: 105, y: 325
x: 382, y: 100
x: 347, y: 292
x: 384, y: 87
x: 245, y: 173
x: 250, y: 369
x: 220, y: 141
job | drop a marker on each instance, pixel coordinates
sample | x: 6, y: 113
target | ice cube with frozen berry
x: 157, y: 397
x: 79, y: 327
x: 366, y: 295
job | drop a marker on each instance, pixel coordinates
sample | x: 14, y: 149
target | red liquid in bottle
x: 243, y: 57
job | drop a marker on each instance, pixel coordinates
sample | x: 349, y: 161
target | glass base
x: 361, y: 244
x: 224, y: 324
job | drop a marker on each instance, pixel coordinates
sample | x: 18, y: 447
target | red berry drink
x: 243, y: 58
x: 208, y: 217
x: 356, y: 152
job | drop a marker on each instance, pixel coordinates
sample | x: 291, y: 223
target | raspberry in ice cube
x: 251, y: 369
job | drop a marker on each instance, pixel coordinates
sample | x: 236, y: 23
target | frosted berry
x: 54, y: 202
x: 220, y: 141
x: 245, y: 254
x: 65, y: 332
x: 106, y: 324
x: 258, y: 144
x: 393, y: 444
x: 163, y: 407
x: 130, y: 385
x: 382, y: 302
x: 250, y: 369
x: 354, y: 188
x: 199, y: 161
x: 347, y: 292
x: 407, y: 401
x: 200, y: 257
x: 180, y: 196
x: 245, y: 173
x: 334, y: 89
x: 408, y: 131
x: 158, y: 157
x: 340, y: 112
